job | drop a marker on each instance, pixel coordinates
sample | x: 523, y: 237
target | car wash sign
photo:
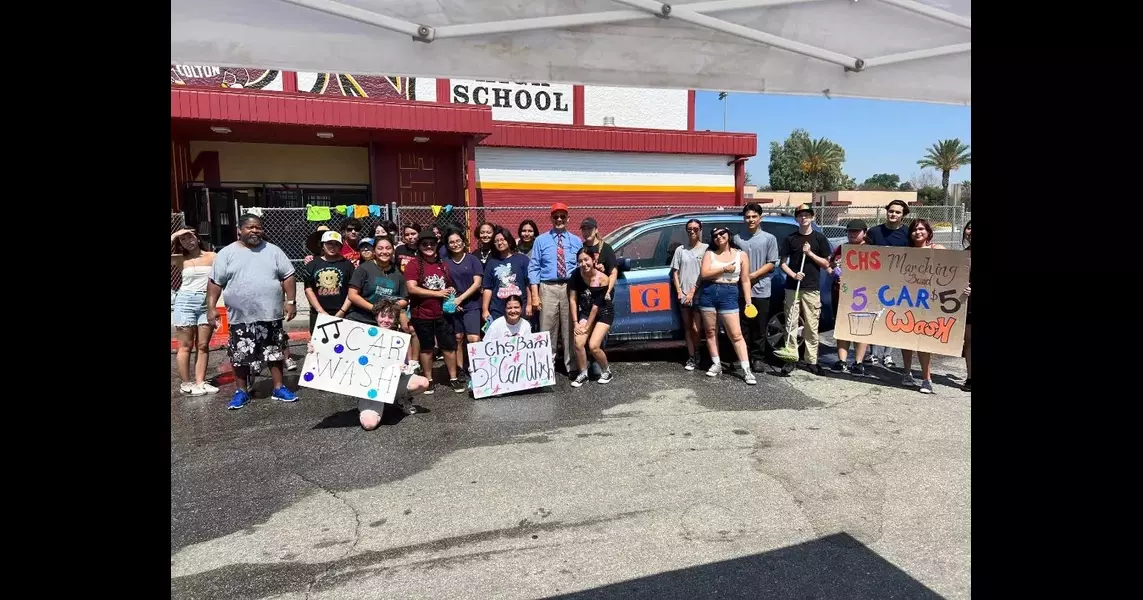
x: 517, y: 101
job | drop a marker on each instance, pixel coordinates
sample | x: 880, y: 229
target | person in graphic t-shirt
x: 327, y: 280
x: 893, y: 232
x: 505, y: 275
x: 376, y: 279
x: 429, y: 284
x: 815, y: 247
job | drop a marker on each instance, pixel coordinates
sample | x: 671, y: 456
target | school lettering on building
x: 507, y: 94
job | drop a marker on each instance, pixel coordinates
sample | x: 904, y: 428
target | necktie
x: 561, y: 265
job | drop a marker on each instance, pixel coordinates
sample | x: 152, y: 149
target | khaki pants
x: 555, y: 317
x: 811, y: 311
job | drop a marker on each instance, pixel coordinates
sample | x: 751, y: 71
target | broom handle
x: 797, y: 290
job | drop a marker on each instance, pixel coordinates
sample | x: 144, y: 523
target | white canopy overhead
x: 889, y: 49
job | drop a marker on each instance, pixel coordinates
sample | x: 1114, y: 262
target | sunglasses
x: 561, y: 216
x: 721, y: 232
x: 695, y: 229
x: 427, y: 243
x: 352, y: 229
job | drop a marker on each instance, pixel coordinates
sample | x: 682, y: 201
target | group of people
x: 444, y: 295
x: 728, y: 281
x: 426, y: 282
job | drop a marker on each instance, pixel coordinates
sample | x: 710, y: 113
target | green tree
x: 881, y: 182
x: 905, y: 187
x: 946, y: 156
x: 930, y: 195
x: 747, y: 180
x: 821, y: 158
x: 966, y: 195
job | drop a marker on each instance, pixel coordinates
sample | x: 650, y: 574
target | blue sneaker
x: 240, y: 399
x: 284, y: 395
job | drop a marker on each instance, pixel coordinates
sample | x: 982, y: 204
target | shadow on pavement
x: 836, y: 566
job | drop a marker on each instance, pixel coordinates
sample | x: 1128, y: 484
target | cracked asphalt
x: 663, y: 484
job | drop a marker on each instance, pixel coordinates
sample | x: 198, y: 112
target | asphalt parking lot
x: 663, y: 484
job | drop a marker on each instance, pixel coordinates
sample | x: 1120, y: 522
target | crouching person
x: 386, y: 312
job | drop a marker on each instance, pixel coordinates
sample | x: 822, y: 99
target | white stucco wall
x: 635, y: 107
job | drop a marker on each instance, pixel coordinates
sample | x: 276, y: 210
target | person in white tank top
x: 189, y: 310
x: 721, y: 270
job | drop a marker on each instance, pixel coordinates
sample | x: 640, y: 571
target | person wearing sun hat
x: 327, y: 279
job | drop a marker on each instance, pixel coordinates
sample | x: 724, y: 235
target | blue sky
x: 879, y: 136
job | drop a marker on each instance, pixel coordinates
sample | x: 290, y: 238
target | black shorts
x: 256, y: 344
x: 435, y: 333
x: 606, y: 314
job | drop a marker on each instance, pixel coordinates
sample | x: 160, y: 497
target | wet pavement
x: 664, y: 483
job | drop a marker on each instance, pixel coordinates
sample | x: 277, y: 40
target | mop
x: 789, y: 351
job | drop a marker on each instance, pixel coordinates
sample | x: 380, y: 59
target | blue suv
x: 646, y: 307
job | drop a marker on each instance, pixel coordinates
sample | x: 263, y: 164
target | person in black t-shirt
x: 375, y: 280
x: 327, y: 280
x: 814, y: 247
x: 601, y: 252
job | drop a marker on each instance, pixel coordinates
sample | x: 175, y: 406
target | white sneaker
x: 291, y: 364
x: 692, y: 362
x: 190, y: 389
x: 715, y: 370
x: 888, y: 361
x: 579, y: 379
x: 210, y: 389
x: 749, y: 377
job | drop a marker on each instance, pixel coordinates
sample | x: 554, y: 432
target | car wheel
x: 776, y: 332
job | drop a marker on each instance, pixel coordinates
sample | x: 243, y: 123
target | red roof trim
x: 245, y: 106
x: 621, y: 139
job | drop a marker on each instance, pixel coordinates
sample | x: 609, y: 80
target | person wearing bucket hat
x: 809, y: 249
x: 429, y: 285
x: 856, y: 230
x: 327, y: 278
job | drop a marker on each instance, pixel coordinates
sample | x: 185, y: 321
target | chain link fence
x: 288, y: 228
x: 947, y: 221
x: 469, y: 219
x: 178, y: 221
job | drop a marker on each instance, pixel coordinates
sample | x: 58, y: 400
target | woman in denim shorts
x: 721, y: 272
x: 189, y: 311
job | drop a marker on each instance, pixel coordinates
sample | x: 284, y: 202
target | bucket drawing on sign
x: 861, y: 323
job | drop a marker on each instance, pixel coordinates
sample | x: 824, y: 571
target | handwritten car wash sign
x: 911, y: 298
x: 511, y: 364
x: 355, y: 359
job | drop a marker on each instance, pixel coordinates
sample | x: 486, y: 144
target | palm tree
x: 722, y: 96
x: 817, y: 157
x: 946, y: 156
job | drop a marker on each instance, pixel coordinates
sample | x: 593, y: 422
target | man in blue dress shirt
x: 550, y: 265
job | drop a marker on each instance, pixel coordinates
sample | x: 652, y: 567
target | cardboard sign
x: 355, y: 359
x: 511, y: 364
x: 911, y: 298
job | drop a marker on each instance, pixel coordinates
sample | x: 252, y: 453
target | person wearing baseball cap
x: 856, y: 229
x: 326, y: 279
x: 551, y: 263
x: 809, y: 250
